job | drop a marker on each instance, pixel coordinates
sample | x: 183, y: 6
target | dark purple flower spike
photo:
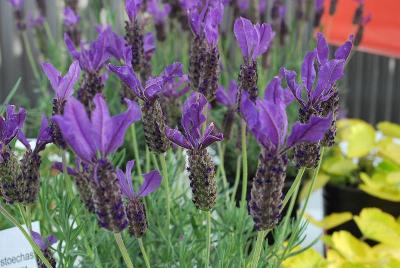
x: 92, y: 141
x: 360, y: 30
x: 205, y: 17
x: 160, y: 13
x: 63, y: 86
x: 267, y: 120
x: 319, y: 76
x: 201, y: 166
x: 319, y: 11
x: 44, y: 245
x: 91, y: 59
x: 152, y: 113
x: 135, y: 209
x: 228, y: 99
x: 254, y: 40
x: 332, y: 7
x: 18, y: 6
x: 71, y: 21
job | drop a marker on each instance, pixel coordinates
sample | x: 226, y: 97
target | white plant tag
x: 15, y: 250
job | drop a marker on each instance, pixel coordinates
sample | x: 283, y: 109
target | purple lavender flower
x: 201, y: 166
x: 267, y: 120
x: 153, y: 116
x: 20, y: 180
x: 44, y: 245
x: 205, y: 17
x: 254, y: 40
x: 92, y: 141
x: 321, y: 99
x: 228, y: 99
x: 135, y: 209
x: 132, y: 8
x: 160, y: 13
x: 70, y: 17
x: 359, y: 13
x: 360, y: 30
x: 64, y: 88
x: 319, y: 11
x: 71, y: 21
x: 91, y: 59
x: 18, y: 6
x: 35, y: 23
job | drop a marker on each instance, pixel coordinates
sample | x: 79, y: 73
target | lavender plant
x: 166, y: 228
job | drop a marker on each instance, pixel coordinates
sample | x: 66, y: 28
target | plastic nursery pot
x: 342, y: 198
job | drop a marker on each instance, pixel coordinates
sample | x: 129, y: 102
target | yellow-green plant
x: 365, y: 157
x: 346, y: 251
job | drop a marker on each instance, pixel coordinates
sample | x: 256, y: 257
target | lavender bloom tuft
x: 19, y: 16
x: 135, y: 209
x: 160, y: 13
x: 44, y: 245
x: 71, y: 21
x: 254, y: 40
x: 92, y: 141
x: 319, y: 11
x: 153, y: 116
x: 201, y: 166
x: 64, y: 88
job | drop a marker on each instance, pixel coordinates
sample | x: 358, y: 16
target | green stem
x: 67, y: 181
x: 124, y: 251
x: 294, y: 185
x: 136, y: 150
x: 166, y: 185
x: 143, y: 250
x: 34, y: 246
x: 244, y: 163
x: 48, y: 32
x: 237, y: 178
x: 30, y: 55
x: 222, y: 165
x: 300, y: 216
x: 148, y: 160
x: 259, y: 245
x: 208, y: 239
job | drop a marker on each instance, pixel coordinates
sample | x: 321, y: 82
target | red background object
x: 381, y: 34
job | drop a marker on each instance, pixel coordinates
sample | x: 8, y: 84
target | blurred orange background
x: 381, y: 34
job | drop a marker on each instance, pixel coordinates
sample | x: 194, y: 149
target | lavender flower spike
x: 267, y: 120
x: 44, y: 245
x: 153, y: 116
x: 18, y: 13
x: 321, y: 97
x: 205, y: 17
x: 64, y: 88
x: 71, y: 21
x: 319, y: 11
x: 92, y: 141
x: 228, y: 99
x: 91, y: 59
x: 135, y: 209
x: 159, y: 12
x: 254, y: 40
x: 201, y: 166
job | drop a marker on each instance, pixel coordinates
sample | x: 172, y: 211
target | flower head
x: 132, y: 8
x: 17, y: 4
x: 35, y: 22
x: 93, y: 56
x: 11, y: 126
x: 228, y: 97
x: 205, y: 17
x: 159, y: 11
x: 70, y: 17
x: 319, y: 5
x: 99, y: 136
x: 153, y: 86
x: 267, y: 120
x: 192, y: 120
x: 152, y: 182
x: 254, y: 40
x: 176, y: 88
x: 149, y: 45
x: 63, y: 86
x: 329, y: 72
x: 43, y: 243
